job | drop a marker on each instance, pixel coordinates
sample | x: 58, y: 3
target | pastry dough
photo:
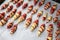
x: 22, y: 18
x: 50, y: 32
x: 53, y: 8
x: 34, y: 10
x: 41, y: 3
x: 58, y: 12
x: 30, y: 8
x: 19, y: 3
x: 44, y: 16
x: 49, y: 18
x: 41, y: 29
x: 13, y: 29
x: 17, y: 15
x: 34, y: 25
x: 50, y: 28
x: 50, y: 36
x: 9, y: 25
x: 35, y: 2
x: 28, y: 21
x: 15, y: 1
x: 4, y: 6
x: 57, y: 38
x: 39, y: 13
x: 9, y: 8
x: 58, y: 23
x: 55, y: 19
x: 57, y: 32
x: 12, y: 13
x: 3, y: 21
x: 24, y: 5
x: 47, y: 5
x: 2, y: 15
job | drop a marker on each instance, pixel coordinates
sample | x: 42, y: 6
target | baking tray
x: 23, y: 33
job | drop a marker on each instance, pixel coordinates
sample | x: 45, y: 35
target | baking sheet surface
x: 23, y: 33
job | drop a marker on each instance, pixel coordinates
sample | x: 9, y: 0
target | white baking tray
x: 23, y: 33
